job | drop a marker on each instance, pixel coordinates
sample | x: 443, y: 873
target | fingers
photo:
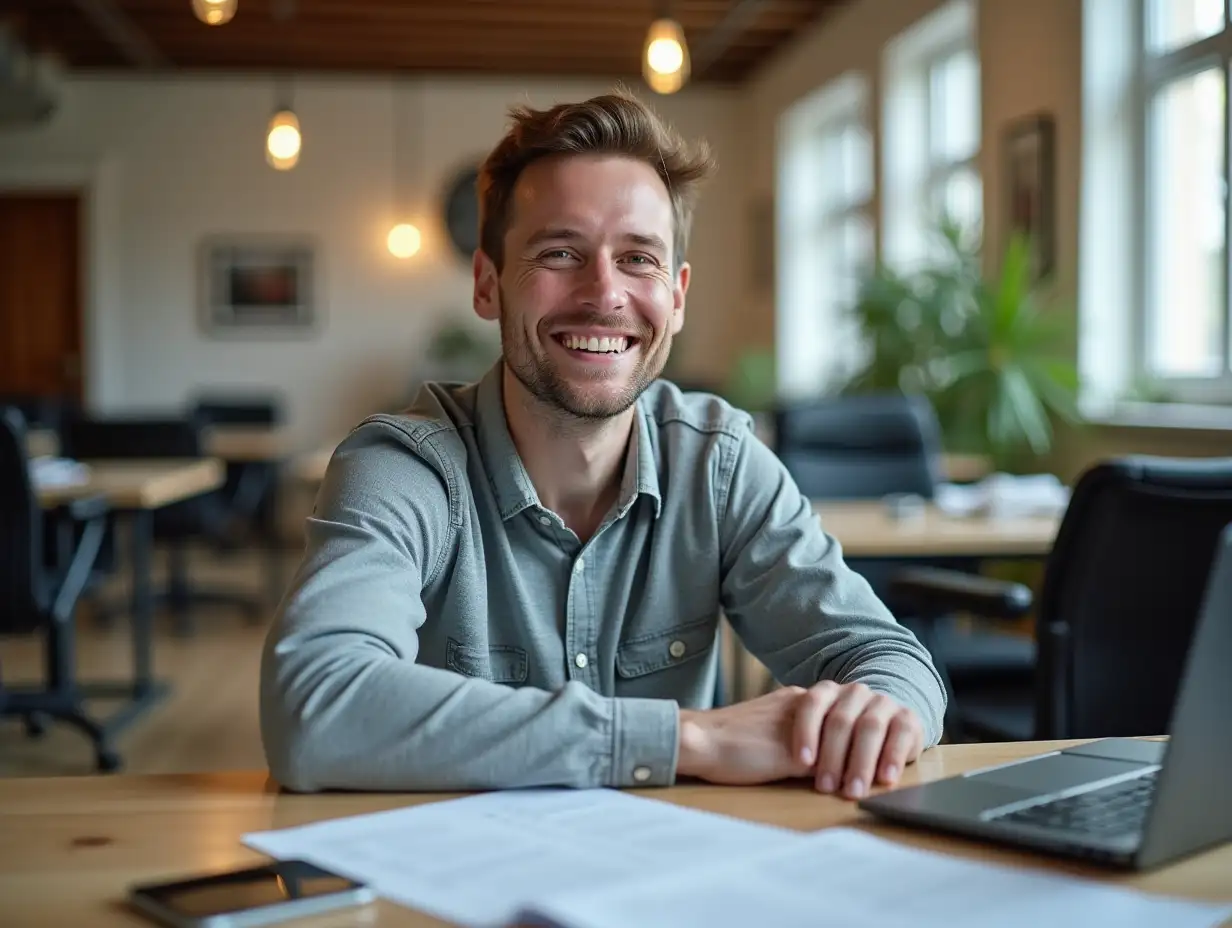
x: 867, y: 741
x: 836, y: 735
x: 903, y: 743
x: 810, y: 713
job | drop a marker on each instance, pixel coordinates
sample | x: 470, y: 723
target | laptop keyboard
x: 1110, y: 810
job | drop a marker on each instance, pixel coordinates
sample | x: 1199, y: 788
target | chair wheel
x: 36, y: 725
x: 108, y: 761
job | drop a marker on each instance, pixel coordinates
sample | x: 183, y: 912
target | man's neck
x: 575, y: 465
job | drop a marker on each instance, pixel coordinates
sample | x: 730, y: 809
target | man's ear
x: 680, y: 288
x: 486, y: 297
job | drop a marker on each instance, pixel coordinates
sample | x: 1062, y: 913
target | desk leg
x: 142, y: 527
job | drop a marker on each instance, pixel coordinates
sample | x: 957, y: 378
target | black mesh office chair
x: 250, y: 491
x: 203, y: 517
x: 38, y: 597
x: 875, y: 445
x: 1121, y: 593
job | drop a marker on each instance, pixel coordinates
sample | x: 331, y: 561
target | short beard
x: 543, y: 381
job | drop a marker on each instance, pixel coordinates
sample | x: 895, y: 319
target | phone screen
x: 283, y: 881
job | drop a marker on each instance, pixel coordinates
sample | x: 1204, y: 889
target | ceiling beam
x: 715, y: 43
x: 123, y: 33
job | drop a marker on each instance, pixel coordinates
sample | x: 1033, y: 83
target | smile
x: 595, y: 344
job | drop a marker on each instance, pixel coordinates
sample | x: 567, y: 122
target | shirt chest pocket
x: 645, y: 654
x: 498, y: 663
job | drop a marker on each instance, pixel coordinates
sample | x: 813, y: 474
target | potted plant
x: 995, y: 362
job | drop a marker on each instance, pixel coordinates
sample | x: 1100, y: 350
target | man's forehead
x: 585, y: 190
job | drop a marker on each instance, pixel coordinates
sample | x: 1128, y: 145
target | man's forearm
x: 349, y: 718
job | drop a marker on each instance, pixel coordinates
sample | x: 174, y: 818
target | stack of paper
x: 607, y: 859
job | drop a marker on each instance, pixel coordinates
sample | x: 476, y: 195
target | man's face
x: 587, y: 299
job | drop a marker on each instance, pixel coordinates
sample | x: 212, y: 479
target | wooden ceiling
x: 586, y: 38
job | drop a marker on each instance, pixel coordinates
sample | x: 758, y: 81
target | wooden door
x: 40, y: 294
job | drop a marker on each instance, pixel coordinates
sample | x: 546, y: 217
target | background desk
x: 69, y: 847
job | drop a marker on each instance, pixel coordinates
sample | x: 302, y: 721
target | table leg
x: 141, y: 525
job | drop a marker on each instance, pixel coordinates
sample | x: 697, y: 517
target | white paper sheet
x: 476, y: 861
x: 846, y: 877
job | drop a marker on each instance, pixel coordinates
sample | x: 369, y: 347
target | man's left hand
x: 854, y: 737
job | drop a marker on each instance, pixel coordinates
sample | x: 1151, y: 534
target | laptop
x: 1121, y: 802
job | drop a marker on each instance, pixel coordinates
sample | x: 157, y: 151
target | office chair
x: 870, y: 446
x: 202, y: 517
x: 37, y: 597
x: 1121, y: 592
x: 250, y: 491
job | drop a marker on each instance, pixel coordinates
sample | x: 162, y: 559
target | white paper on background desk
x: 476, y: 861
x: 846, y: 877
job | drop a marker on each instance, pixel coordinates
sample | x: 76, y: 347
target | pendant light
x: 283, y: 139
x: 404, y: 239
x: 665, y: 56
x: 214, y: 12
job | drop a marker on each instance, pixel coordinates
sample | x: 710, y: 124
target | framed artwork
x: 1030, y: 186
x: 259, y: 285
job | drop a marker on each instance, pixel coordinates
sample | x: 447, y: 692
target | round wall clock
x: 462, y: 212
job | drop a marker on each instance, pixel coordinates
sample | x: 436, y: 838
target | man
x: 518, y: 582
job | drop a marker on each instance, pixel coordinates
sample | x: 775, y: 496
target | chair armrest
x: 933, y: 592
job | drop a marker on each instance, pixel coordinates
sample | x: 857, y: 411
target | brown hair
x: 615, y: 124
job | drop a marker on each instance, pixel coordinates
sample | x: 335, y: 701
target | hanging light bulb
x: 665, y: 60
x: 214, y: 12
x: 404, y: 240
x: 283, y: 142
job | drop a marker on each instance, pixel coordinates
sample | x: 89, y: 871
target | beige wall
x: 167, y: 162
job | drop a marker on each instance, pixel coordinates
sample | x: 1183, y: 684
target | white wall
x: 165, y: 163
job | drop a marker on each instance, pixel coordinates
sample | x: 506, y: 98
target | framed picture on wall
x: 259, y: 285
x: 1030, y: 186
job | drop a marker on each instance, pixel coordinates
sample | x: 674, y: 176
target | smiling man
x: 518, y: 582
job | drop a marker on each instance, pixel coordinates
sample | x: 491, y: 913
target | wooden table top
x: 865, y: 528
x: 70, y: 847
x: 141, y: 483
x: 229, y: 442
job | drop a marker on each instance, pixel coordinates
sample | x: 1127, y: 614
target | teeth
x: 599, y: 345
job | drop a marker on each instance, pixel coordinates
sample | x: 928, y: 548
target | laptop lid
x: 1193, y: 805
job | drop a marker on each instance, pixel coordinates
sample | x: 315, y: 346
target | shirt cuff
x: 645, y: 743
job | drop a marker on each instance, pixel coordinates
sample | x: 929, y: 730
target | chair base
x: 37, y: 706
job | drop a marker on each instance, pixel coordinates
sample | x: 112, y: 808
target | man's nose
x: 601, y: 285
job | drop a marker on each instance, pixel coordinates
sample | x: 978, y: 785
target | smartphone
x: 261, y: 895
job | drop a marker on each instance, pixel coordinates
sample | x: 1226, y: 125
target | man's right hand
x: 746, y: 743
x: 844, y: 736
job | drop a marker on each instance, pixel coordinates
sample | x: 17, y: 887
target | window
x: 931, y: 128
x: 1183, y: 331
x: 825, y: 227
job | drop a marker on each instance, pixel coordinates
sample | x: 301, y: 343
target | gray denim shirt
x: 446, y: 631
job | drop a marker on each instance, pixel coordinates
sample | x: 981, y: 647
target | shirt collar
x: 508, y: 476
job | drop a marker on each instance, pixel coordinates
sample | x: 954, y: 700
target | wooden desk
x: 136, y: 488
x: 141, y: 483
x: 866, y: 529
x: 69, y: 847
x: 240, y: 443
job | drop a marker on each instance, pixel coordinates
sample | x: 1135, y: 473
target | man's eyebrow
x: 554, y: 235
x: 647, y: 241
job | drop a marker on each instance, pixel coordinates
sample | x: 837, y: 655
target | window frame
x: 939, y: 171
x: 1153, y: 73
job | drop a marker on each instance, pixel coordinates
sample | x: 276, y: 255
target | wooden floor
x: 208, y: 723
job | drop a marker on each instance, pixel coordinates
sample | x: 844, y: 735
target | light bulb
x: 404, y: 240
x: 214, y: 12
x: 665, y: 59
x: 283, y: 143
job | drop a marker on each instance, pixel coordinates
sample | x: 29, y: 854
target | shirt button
x: 676, y: 649
x: 580, y: 565
x: 581, y: 660
x: 641, y: 774
x: 544, y: 520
